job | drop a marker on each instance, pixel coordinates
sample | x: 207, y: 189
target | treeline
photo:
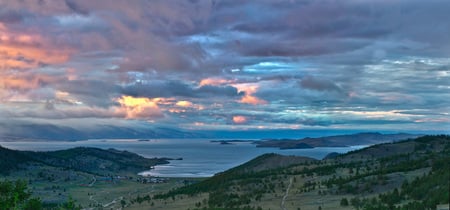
x: 10, y: 160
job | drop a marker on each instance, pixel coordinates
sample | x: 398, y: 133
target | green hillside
x: 411, y: 174
x: 90, y: 160
x: 11, y: 160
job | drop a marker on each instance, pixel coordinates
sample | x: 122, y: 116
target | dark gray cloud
x: 178, y: 88
x: 91, y: 92
x: 319, y: 84
x: 12, y: 16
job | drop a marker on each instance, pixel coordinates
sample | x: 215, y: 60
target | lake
x: 200, y: 157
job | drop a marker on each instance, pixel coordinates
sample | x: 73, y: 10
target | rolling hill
x: 409, y: 174
x: 89, y: 160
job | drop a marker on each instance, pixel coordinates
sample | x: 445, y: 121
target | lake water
x: 201, y: 158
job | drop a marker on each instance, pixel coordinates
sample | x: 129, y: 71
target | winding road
x: 283, y: 201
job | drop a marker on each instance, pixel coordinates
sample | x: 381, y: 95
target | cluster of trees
x: 421, y: 193
x: 15, y: 195
x: 11, y: 160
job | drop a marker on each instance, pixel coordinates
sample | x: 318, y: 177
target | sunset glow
x: 139, y: 107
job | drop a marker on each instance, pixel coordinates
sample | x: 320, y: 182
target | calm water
x: 201, y: 158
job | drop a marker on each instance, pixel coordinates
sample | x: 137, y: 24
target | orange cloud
x: 214, y: 81
x: 184, y: 104
x: 249, y: 99
x: 249, y: 90
x: 238, y: 119
x: 135, y: 108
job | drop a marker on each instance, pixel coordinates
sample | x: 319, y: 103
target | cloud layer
x: 226, y: 65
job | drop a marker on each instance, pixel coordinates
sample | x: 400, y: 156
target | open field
x: 53, y: 185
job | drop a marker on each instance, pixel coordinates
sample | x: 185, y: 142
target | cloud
x: 215, y: 81
x: 249, y: 89
x: 312, y: 83
x: 139, y: 108
x: 199, y: 64
x: 184, y: 104
x: 154, y: 89
x: 23, y: 51
x: 11, y: 16
x: 76, y: 8
x: 82, y: 90
x: 239, y: 119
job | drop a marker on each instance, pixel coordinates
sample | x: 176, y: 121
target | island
x: 230, y: 142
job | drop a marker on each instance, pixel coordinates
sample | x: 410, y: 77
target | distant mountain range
x: 28, y: 131
x: 336, y: 141
x: 46, y: 132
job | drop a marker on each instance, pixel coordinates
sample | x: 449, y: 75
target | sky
x: 174, y: 68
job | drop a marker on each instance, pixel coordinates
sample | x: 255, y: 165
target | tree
x: 33, y: 204
x: 344, y: 202
x: 70, y: 204
x: 14, y: 195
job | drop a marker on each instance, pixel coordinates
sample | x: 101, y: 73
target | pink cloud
x: 215, y: 81
x: 238, y: 119
x: 249, y: 98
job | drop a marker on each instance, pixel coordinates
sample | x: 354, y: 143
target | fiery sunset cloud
x: 139, y: 107
x: 139, y: 66
x: 184, y: 103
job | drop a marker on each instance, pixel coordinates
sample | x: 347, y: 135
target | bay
x: 200, y: 157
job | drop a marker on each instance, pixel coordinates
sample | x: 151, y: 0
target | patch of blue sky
x: 272, y: 67
x: 78, y: 21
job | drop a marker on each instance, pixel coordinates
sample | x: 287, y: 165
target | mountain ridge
x: 366, y: 138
